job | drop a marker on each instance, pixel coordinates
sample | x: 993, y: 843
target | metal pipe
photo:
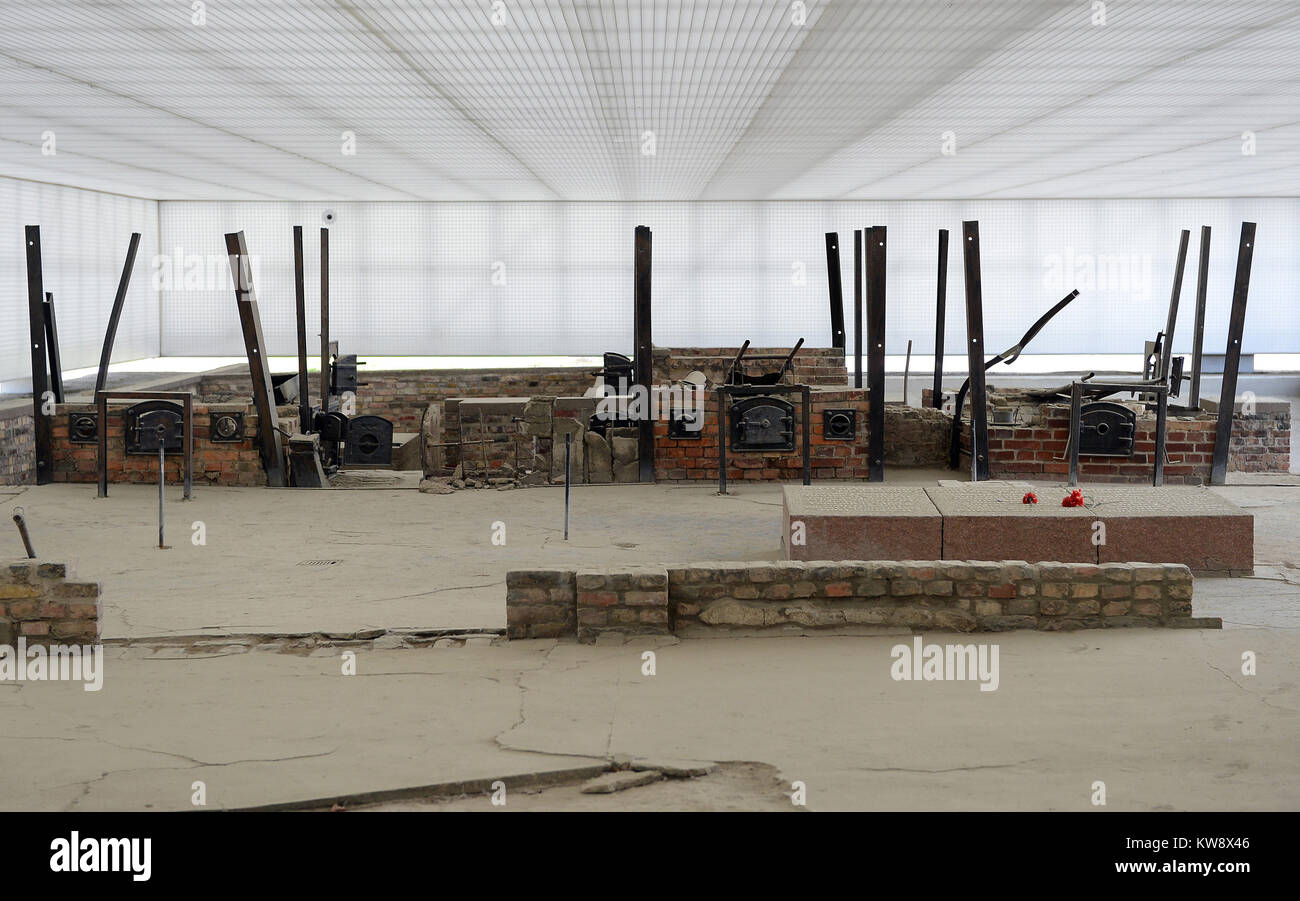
x: 907, y: 367
x: 21, y: 522
x: 162, y: 482
x: 568, y: 444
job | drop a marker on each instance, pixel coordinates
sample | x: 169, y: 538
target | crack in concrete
x: 955, y: 769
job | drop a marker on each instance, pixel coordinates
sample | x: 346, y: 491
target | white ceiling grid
x: 550, y: 99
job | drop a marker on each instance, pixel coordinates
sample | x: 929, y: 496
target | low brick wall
x: 40, y: 602
x: 850, y: 597
x: 17, y: 447
x: 618, y: 600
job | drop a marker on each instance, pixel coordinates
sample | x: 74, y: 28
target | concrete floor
x: 1165, y: 718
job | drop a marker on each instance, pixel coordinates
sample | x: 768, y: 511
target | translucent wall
x: 84, y: 236
x: 556, y: 278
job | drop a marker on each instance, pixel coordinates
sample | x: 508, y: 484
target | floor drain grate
x: 317, y: 562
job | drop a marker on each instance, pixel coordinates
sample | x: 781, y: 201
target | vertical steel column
x: 857, y: 308
x: 723, y: 428
x: 941, y: 312
x: 644, y: 350
x: 36, y: 330
x: 1198, y: 337
x: 1162, y: 421
x: 836, y: 288
x: 979, y: 427
x: 114, y: 317
x: 806, y: 400
x: 52, y: 349
x: 1076, y: 421
x: 324, y: 319
x: 1171, y: 320
x: 259, y: 368
x: 101, y: 443
x: 300, y: 314
x: 187, y: 407
x: 1232, y: 363
x: 876, y: 254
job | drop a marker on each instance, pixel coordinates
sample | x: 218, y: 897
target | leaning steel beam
x: 857, y: 308
x: 1198, y: 335
x: 1172, y: 320
x: 101, y: 379
x: 1009, y: 356
x: 876, y: 254
x: 941, y: 304
x: 644, y: 349
x: 836, y: 288
x: 250, y: 322
x: 1232, y: 361
x: 979, y: 428
x: 52, y: 349
x: 40, y: 383
x: 300, y: 314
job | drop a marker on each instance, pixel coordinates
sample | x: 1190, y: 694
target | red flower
x: 1029, y: 498
x: 1073, y: 499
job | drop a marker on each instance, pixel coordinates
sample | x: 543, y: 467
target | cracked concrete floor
x: 1164, y: 718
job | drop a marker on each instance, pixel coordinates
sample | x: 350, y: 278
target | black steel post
x: 324, y: 320
x: 722, y: 439
x: 836, y: 288
x: 114, y: 317
x: 568, y: 448
x: 1232, y: 361
x: 876, y: 254
x: 644, y: 351
x: 940, y: 315
x: 272, y: 453
x: 1172, y: 319
x: 52, y: 349
x: 1076, y: 422
x: 1162, y: 426
x: 979, y: 428
x: 857, y: 308
x: 40, y: 383
x: 806, y: 441
x: 1198, y: 336
x: 300, y: 314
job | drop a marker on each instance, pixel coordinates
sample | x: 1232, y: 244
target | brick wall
x: 795, y: 597
x: 401, y: 396
x: 17, y: 448
x: 812, y: 365
x: 1035, y: 448
x: 683, y: 460
x: 216, y: 463
x: 40, y: 602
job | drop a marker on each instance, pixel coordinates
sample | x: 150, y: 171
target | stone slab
x: 861, y: 522
x: 990, y: 521
x: 1198, y: 528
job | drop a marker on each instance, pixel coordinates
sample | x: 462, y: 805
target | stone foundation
x: 39, y: 602
x: 17, y: 446
x: 849, y: 597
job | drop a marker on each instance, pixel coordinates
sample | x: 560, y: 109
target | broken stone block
x: 624, y: 451
x: 432, y: 459
x: 672, y: 768
x: 627, y: 472
x: 537, y: 416
x: 436, y: 486
x: 617, y: 782
x: 598, y: 459
x: 562, y: 426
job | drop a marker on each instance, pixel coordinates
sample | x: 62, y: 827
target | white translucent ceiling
x: 742, y: 99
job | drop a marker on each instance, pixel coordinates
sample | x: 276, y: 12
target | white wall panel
x: 84, y: 237
x: 417, y: 278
